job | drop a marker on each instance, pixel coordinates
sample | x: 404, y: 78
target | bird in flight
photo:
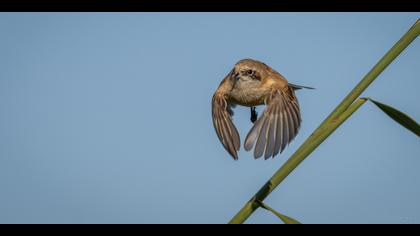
x: 251, y: 83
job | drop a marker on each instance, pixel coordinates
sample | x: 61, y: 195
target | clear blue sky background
x: 105, y: 118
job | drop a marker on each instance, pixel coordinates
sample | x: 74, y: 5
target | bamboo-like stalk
x: 307, y: 147
x: 345, y: 109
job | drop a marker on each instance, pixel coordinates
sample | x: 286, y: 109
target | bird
x: 252, y: 83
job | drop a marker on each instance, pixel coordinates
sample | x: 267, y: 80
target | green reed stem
x: 344, y: 110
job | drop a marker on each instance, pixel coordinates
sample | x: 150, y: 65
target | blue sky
x: 105, y: 117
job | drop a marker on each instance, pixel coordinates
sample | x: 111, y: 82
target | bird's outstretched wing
x: 277, y: 126
x: 222, y: 122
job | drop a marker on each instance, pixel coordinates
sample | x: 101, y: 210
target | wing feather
x: 262, y: 137
x: 271, y: 138
x: 285, y: 130
x: 253, y: 134
x: 277, y: 126
x: 222, y: 122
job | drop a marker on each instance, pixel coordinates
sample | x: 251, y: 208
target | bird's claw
x: 254, y: 114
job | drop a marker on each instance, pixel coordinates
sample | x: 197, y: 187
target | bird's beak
x: 235, y: 78
x: 236, y: 75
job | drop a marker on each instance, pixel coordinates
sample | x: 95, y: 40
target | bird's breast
x: 248, y: 95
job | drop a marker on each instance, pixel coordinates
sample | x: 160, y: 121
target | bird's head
x: 246, y: 70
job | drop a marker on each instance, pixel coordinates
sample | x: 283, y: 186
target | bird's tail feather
x: 296, y: 87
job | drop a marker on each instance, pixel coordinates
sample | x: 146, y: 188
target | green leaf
x: 285, y: 219
x: 399, y: 117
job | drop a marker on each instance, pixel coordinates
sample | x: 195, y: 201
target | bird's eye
x: 250, y: 72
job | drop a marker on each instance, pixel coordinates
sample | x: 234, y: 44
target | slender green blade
x: 285, y: 219
x: 399, y: 117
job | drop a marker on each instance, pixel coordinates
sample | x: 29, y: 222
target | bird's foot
x: 254, y: 114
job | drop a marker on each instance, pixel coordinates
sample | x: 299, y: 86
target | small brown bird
x: 251, y: 83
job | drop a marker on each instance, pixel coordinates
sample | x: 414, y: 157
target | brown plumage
x: 251, y: 83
